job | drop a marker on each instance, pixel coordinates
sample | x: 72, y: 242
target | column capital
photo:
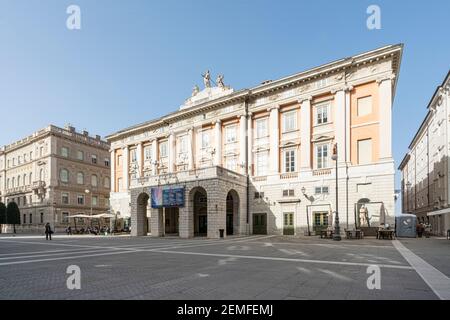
x: 390, y: 77
x: 218, y: 121
x: 304, y: 99
x: 345, y: 88
x: 277, y: 107
x: 250, y: 114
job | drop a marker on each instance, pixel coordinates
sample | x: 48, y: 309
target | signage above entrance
x: 167, y: 197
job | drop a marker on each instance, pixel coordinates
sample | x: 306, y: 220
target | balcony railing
x: 321, y: 172
x: 290, y: 175
x: 17, y: 190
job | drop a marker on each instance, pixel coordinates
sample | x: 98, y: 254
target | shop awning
x: 438, y: 212
x: 80, y: 216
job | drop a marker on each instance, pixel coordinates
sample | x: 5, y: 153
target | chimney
x: 98, y: 137
x: 85, y: 133
x: 70, y: 128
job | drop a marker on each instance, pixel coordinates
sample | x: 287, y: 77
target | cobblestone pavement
x: 255, y: 267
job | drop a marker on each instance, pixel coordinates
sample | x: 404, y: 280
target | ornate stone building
x: 53, y: 174
x: 258, y: 160
x: 425, y: 167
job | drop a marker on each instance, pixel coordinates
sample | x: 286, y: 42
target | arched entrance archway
x: 200, y: 211
x: 232, y: 213
x: 140, y: 225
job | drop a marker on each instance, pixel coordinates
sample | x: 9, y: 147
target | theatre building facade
x: 259, y: 160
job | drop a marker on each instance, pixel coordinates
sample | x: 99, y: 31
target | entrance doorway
x: 232, y: 213
x: 320, y: 221
x: 200, y: 213
x: 288, y: 227
x: 171, y: 221
x: 259, y: 223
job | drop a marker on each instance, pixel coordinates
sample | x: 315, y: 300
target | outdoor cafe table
x: 385, y: 234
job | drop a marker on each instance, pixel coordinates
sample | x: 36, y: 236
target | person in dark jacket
x: 48, y: 231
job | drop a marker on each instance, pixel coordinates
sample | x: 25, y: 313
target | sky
x: 133, y: 61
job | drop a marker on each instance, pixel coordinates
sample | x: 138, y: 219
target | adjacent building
x: 259, y: 160
x: 53, y: 174
x: 425, y: 168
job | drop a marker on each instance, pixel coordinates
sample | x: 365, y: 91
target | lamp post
x: 307, y: 213
x: 337, y: 229
x: 87, y: 191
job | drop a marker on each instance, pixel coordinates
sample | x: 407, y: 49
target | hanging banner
x: 167, y: 197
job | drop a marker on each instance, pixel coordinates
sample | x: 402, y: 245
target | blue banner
x: 167, y: 197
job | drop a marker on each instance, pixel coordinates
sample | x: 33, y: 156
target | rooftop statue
x: 195, y: 91
x: 219, y: 81
x: 207, y: 79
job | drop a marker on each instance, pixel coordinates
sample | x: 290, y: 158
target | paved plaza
x: 255, y: 267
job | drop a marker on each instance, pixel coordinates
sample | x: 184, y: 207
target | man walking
x: 48, y: 231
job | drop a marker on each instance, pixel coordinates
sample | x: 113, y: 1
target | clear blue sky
x: 136, y: 60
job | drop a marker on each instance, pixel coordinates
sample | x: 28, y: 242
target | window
x: 205, y: 139
x: 31, y: 178
x: 259, y: 195
x: 65, y: 152
x: 133, y: 155
x: 94, y: 200
x: 163, y: 149
x: 80, y: 155
x: 106, y: 182
x: 119, y: 161
x: 320, y: 221
x: 94, y: 180
x: 80, y: 199
x: 24, y: 219
x: 65, y: 217
x: 41, y: 151
x: 321, y: 190
x: 42, y: 175
x: 65, y: 198
x: 25, y: 180
x: 289, y: 121
x: 183, y: 144
x: 231, y: 163
x: 42, y: 217
x: 288, y: 192
x: 94, y: 159
x: 322, y: 114
x: 364, y: 151
x: 322, y: 156
x: 148, y: 152
x: 106, y: 162
x: 80, y: 178
x: 24, y: 157
x: 261, y: 128
x: 18, y: 181
x: 120, y: 184
x: 364, y: 106
x: 230, y: 134
x: 289, y: 161
x: 262, y: 163
x: 31, y: 155
x: 19, y: 160
x: 31, y: 218
x: 106, y: 202
x: 64, y: 175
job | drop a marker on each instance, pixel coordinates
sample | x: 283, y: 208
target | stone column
x: 139, y: 161
x: 242, y: 137
x: 156, y: 222
x: 186, y: 218
x: 113, y: 171
x: 250, y: 143
x: 172, y: 152
x: 154, y: 157
x: 218, y: 143
x: 348, y: 91
x: 274, y: 140
x: 125, y: 169
x: 339, y: 120
x: 191, y: 148
x: 385, y: 109
x: 305, y: 129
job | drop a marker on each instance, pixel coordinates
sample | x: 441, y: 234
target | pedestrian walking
x: 48, y: 231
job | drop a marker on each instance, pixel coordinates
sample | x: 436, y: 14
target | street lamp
x: 307, y: 213
x: 87, y: 191
x: 337, y: 229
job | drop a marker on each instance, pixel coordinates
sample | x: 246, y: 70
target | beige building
x: 53, y: 174
x: 258, y: 160
x: 425, y: 168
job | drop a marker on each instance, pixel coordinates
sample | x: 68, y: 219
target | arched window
x: 25, y: 179
x: 64, y: 175
x: 7, y: 183
x: 18, y: 181
x: 13, y: 182
x: 106, y: 182
x: 80, y: 178
x: 94, y: 180
x: 41, y: 175
x: 31, y: 178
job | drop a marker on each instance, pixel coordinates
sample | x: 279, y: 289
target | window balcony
x: 289, y: 175
x: 321, y: 172
x: 17, y: 190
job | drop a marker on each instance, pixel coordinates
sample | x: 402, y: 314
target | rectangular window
x: 289, y: 161
x: 80, y: 199
x: 230, y: 134
x: 65, y: 198
x: 322, y: 156
x: 148, y: 152
x: 65, y: 217
x: 321, y: 190
x: 80, y: 155
x: 42, y: 217
x: 261, y: 128
x: 262, y: 163
x: 364, y: 151
x: 41, y: 151
x: 119, y: 160
x: 322, y: 114
x: 31, y: 218
x: 259, y: 195
x: 106, y: 162
x: 364, y: 106
x: 183, y: 144
x: 289, y: 121
x: 94, y: 201
x: 94, y: 159
x: 163, y: 152
x: 288, y: 193
x: 133, y: 155
x: 24, y: 219
x: 120, y: 184
x: 65, y: 152
x: 231, y: 163
x: 205, y: 139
